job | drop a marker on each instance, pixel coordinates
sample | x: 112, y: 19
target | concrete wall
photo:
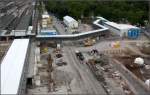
x: 136, y: 85
x: 23, y: 80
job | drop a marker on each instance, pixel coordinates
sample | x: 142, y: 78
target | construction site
x: 87, y: 66
x: 56, y: 73
x: 62, y: 68
x: 69, y: 56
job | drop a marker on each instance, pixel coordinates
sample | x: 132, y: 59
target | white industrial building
x: 72, y: 24
x: 14, y: 68
x: 123, y: 30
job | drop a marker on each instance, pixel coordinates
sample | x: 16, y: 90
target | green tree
x: 135, y: 12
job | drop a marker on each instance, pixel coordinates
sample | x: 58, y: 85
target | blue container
x: 133, y: 33
x: 48, y: 32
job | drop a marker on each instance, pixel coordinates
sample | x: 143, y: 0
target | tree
x: 135, y: 12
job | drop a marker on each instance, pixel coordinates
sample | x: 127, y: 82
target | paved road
x: 89, y: 83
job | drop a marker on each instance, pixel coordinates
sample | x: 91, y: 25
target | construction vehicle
x: 115, y: 44
x: 89, y: 42
x: 79, y: 55
x: 44, y: 50
x: 59, y: 55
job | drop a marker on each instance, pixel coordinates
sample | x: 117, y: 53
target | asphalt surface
x: 89, y: 84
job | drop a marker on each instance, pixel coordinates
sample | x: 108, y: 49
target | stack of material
x: 46, y: 21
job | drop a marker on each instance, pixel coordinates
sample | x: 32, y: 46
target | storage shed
x: 123, y: 30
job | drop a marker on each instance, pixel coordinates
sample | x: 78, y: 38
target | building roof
x: 69, y: 19
x: 12, y: 66
x: 120, y: 26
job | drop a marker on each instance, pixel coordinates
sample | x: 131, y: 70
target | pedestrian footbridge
x: 102, y: 29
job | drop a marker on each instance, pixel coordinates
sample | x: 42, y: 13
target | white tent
x: 139, y: 61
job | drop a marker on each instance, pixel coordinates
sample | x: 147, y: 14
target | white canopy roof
x: 12, y: 66
x: 120, y: 26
